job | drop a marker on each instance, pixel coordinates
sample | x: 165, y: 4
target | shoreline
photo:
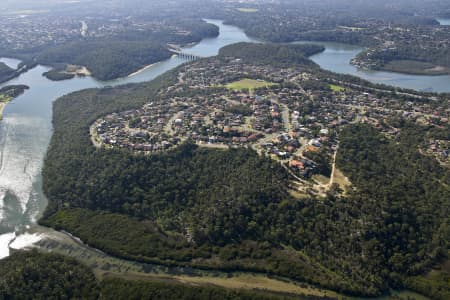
x: 415, y: 73
x: 141, y: 70
x: 69, y: 72
x: 8, y: 94
x: 396, y: 68
x: 77, y: 70
x: 65, y: 243
x: 2, y: 108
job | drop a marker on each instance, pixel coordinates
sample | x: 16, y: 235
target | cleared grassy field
x: 343, y: 182
x: 258, y: 282
x: 253, y: 282
x: 249, y: 84
x: 336, y: 88
x: 321, y: 179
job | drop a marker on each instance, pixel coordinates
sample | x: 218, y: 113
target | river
x: 337, y: 57
x: 26, y: 129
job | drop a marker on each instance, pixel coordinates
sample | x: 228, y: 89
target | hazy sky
x: 14, y: 4
x: 407, y: 5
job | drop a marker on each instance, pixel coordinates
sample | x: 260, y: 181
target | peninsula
x: 8, y: 93
x: 239, y: 162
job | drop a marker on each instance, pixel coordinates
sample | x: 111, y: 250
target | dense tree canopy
x: 230, y: 209
x: 33, y: 275
x: 107, y: 59
x: 272, y: 53
x: 36, y: 275
x: 116, y: 55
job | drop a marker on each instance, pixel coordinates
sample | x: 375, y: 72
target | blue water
x: 337, y: 57
x: 26, y: 129
x: 444, y: 21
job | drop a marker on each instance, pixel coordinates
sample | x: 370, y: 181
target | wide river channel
x: 26, y: 128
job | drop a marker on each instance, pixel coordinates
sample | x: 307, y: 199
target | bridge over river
x: 181, y: 54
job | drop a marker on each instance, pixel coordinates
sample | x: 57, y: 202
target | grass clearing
x: 253, y: 282
x: 336, y: 88
x: 298, y: 195
x: 343, y: 182
x: 248, y: 10
x: 321, y: 179
x: 249, y: 84
x: 257, y: 282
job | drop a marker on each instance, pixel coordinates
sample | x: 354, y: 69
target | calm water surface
x: 337, y: 58
x: 10, y: 62
x: 26, y: 128
x: 444, y: 21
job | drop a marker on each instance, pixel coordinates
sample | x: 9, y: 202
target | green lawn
x: 336, y: 88
x: 249, y: 84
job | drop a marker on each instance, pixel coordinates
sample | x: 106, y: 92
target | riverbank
x: 338, y: 57
x: 412, y: 67
x: 83, y: 84
x: 2, y: 108
x: 22, y: 68
x: 141, y: 70
x: 28, y: 126
x: 8, y: 93
x: 105, y: 266
x: 67, y: 72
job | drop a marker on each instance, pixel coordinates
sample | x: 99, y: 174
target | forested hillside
x: 33, y: 275
x: 13, y: 91
x: 191, y: 205
x: 403, y: 39
x: 402, y: 199
x: 406, y: 59
x: 230, y: 209
x: 7, y: 73
x: 119, y: 54
x: 281, y: 55
x: 107, y: 59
